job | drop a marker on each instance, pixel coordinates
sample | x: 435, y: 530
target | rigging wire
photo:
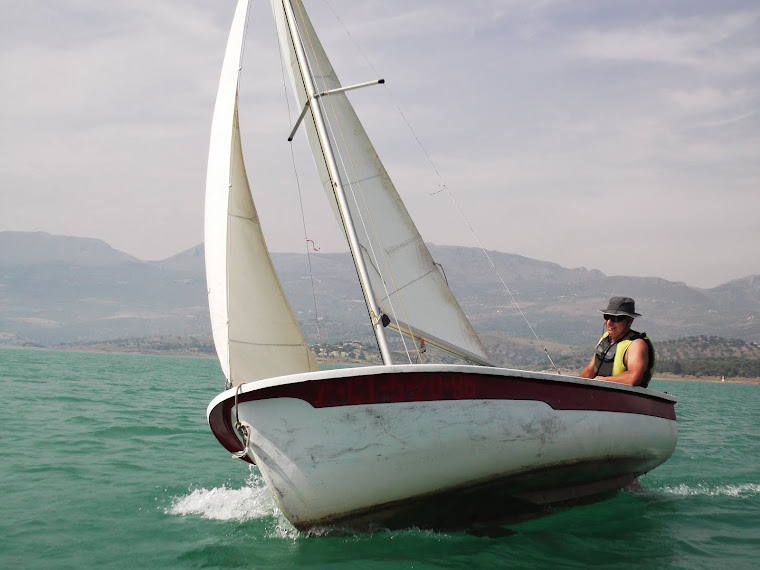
x: 307, y: 241
x: 372, y: 249
x: 362, y: 220
x: 418, y: 349
x: 444, y: 187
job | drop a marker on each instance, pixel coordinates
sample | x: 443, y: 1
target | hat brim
x: 613, y: 312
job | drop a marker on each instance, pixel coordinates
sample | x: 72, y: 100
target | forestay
x: 255, y: 332
x: 408, y: 285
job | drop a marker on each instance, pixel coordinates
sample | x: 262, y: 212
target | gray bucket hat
x: 621, y: 306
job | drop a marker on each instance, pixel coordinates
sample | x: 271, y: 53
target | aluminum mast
x: 340, y: 194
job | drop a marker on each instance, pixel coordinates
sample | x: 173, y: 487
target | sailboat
x: 402, y: 444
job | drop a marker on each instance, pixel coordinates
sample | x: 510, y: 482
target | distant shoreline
x: 333, y: 361
x: 714, y: 379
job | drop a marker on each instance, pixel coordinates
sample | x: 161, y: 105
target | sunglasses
x: 615, y: 318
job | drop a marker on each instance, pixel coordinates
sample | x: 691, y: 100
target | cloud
x: 538, y: 115
x: 704, y: 42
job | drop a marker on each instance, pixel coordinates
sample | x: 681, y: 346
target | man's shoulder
x: 636, y: 335
x: 642, y: 342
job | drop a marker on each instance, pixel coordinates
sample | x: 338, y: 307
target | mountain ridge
x: 59, y: 289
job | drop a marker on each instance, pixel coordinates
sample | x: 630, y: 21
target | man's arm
x: 588, y: 371
x: 636, y: 360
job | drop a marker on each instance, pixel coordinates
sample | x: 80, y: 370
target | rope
x: 241, y: 429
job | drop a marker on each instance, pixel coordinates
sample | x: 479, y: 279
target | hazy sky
x: 622, y: 136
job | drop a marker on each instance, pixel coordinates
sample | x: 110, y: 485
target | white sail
x: 255, y: 332
x: 408, y: 285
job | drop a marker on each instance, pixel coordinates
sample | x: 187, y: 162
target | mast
x: 378, y: 319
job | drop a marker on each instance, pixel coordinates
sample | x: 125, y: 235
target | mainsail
x: 255, y: 332
x: 408, y: 285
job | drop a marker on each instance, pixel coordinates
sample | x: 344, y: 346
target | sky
x: 621, y: 136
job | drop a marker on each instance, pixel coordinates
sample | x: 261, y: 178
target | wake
x: 247, y: 503
x: 745, y: 490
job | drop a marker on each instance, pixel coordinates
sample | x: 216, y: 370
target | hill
x: 709, y: 356
x: 60, y: 289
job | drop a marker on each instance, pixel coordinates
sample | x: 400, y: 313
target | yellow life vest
x: 610, y: 358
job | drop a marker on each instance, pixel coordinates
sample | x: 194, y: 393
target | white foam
x: 744, y: 490
x: 250, y: 502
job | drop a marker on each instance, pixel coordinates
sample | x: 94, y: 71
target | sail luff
x: 217, y: 177
x: 255, y: 332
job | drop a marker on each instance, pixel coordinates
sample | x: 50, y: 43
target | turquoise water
x: 107, y: 461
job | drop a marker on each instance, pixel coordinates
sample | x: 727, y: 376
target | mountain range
x: 62, y: 289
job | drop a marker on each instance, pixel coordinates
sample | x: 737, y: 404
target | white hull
x: 442, y: 446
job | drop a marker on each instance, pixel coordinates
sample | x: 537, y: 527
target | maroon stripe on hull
x: 221, y: 426
x: 429, y: 386
x: 398, y: 387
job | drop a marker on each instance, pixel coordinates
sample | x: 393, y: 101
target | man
x: 622, y: 355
